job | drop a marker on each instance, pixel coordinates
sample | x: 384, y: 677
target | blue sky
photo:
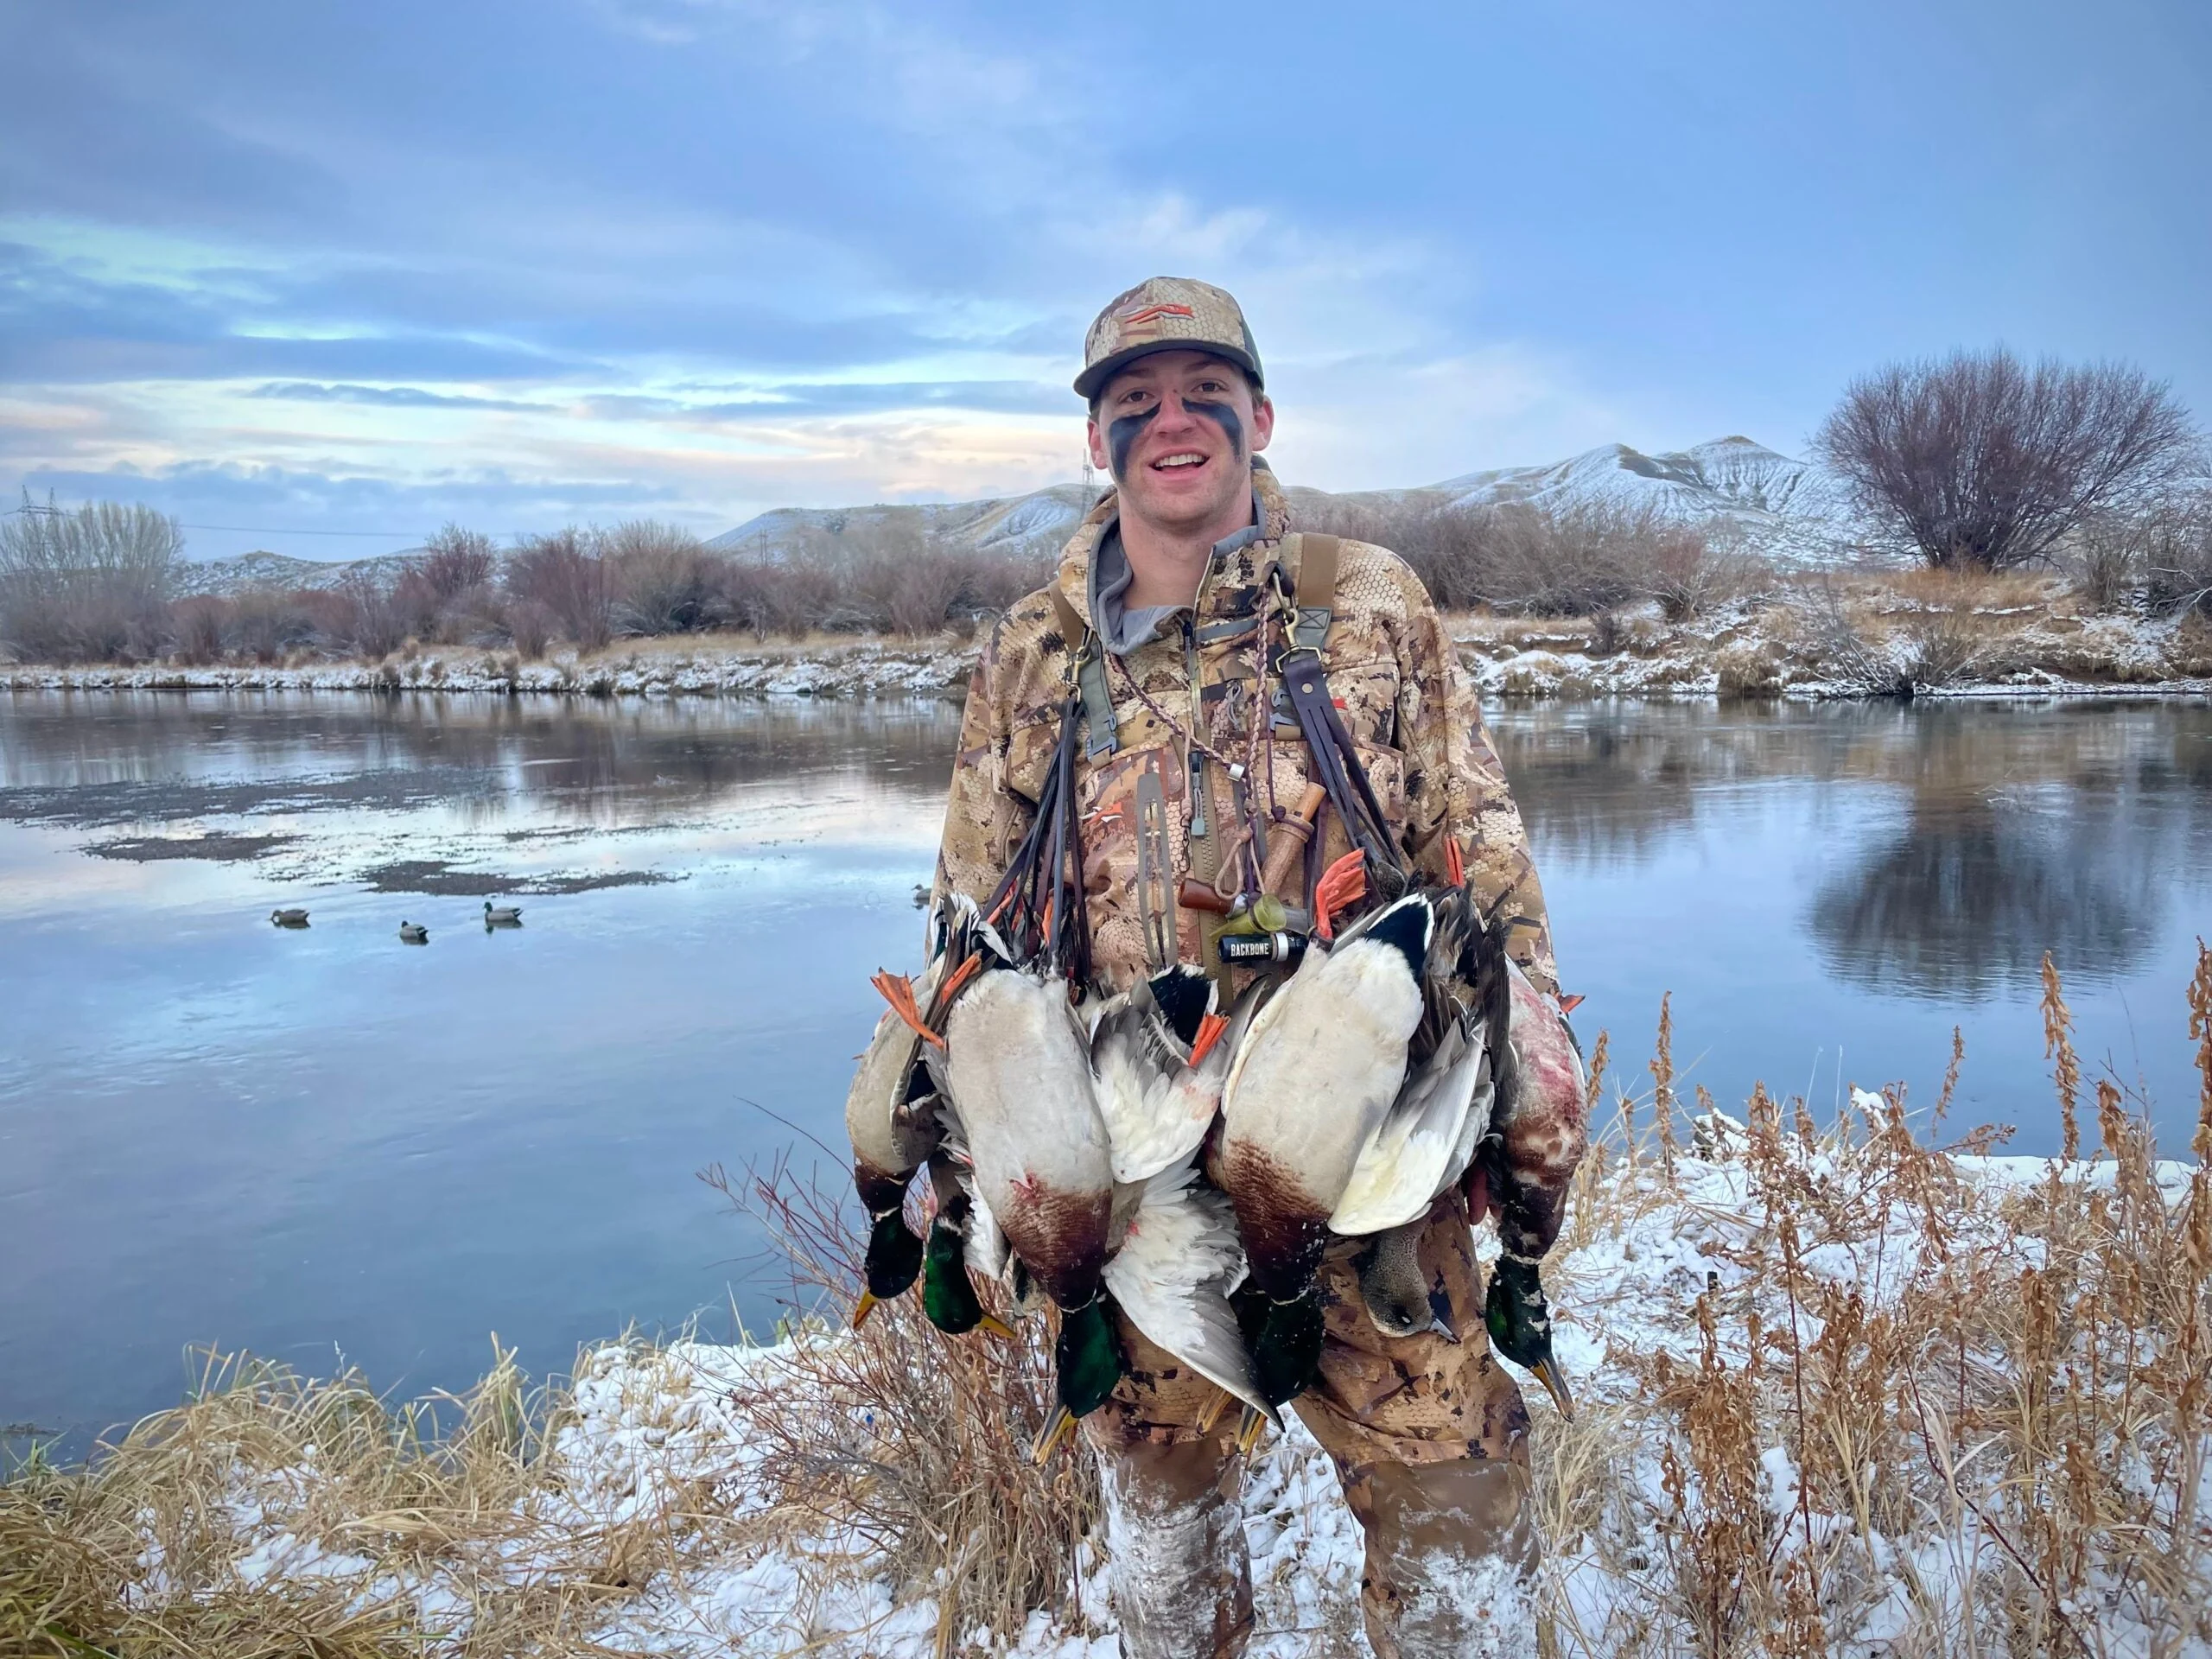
x: 518, y: 262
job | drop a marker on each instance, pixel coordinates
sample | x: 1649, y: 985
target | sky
x: 319, y: 278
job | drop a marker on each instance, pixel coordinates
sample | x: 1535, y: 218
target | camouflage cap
x: 1166, y: 314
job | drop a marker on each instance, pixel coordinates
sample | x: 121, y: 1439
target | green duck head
x: 1088, y: 1362
x: 1285, y: 1342
x: 893, y: 1259
x: 1519, y: 1321
x: 948, y: 1293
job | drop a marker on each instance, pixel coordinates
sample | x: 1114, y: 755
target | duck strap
x: 1090, y: 675
x: 1039, y: 903
x: 1334, y: 756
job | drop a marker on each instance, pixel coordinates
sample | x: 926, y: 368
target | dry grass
x: 936, y: 1487
x: 1915, y: 1408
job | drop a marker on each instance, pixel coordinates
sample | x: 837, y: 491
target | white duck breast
x: 1410, y: 1157
x: 1017, y: 1068
x: 1320, y: 1067
x: 1173, y: 1277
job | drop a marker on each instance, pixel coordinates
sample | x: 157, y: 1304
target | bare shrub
x: 665, y: 580
x: 91, y: 585
x: 1581, y: 559
x: 531, y: 625
x: 196, y: 628
x: 940, y: 1485
x: 764, y: 598
x: 2176, y: 554
x: 1976, y: 459
x: 366, y: 617
x: 263, y: 624
x: 563, y: 571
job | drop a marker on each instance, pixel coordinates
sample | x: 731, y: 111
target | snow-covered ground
x: 1721, y: 1308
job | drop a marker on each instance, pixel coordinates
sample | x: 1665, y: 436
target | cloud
x: 310, y: 391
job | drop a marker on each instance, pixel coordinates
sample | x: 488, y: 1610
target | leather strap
x: 1090, y: 677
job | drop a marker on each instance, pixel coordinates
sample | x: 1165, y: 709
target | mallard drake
x: 1359, y: 1095
x: 293, y: 918
x: 1016, y: 1072
x: 502, y: 915
x: 414, y: 933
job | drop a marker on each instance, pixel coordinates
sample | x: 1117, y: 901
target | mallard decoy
x: 414, y: 933
x: 293, y: 918
x: 502, y: 915
x: 1353, y: 1103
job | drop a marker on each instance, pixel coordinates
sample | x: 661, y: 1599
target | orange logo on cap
x: 1144, y: 314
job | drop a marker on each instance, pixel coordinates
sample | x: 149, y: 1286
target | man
x: 1169, y: 579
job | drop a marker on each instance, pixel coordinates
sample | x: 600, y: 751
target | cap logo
x: 1143, y: 314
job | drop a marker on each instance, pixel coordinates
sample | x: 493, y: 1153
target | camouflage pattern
x: 1404, y: 699
x: 1429, y: 1436
x: 1166, y: 314
x: 1430, y: 1440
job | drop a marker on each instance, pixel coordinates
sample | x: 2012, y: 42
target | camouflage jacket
x: 1403, y: 698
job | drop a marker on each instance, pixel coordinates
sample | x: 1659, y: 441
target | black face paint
x: 1122, y: 433
x: 1223, y: 415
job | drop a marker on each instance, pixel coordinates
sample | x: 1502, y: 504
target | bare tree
x: 89, y: 584
x: 1978, y: 460
x: 562, y: 572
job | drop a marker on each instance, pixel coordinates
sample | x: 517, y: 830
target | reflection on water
x: 2010, y: 832
x: 304, y: 1142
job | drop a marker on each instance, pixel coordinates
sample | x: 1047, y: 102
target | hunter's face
x: 1178, y: 430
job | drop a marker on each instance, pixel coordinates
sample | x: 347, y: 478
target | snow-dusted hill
x: 251, y: 571
x: 1786, y: 507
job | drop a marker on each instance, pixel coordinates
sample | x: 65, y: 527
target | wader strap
x: 1090, y: 676
x: 1205, y: 865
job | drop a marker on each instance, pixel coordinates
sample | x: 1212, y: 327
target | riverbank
x: 1842, y: 1392
x: 1840, y: 636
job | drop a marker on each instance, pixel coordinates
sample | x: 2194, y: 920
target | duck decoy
x: 414, y: 933
x: 502, y: 915
x: 292, y: 918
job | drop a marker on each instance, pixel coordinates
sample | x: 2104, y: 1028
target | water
x: 326, y: 1143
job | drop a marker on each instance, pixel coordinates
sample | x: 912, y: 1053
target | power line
x: 266, y: 529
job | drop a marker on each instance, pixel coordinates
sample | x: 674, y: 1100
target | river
x: 329, y: 1146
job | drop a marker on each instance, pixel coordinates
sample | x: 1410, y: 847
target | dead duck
x: 292, y: 918
x: 1158, y: 1066
x: 502, y: 915
x: 1015, y: 1073
x: 1353, y: 1102
x: 892, y: 1116
x: 414, y: 933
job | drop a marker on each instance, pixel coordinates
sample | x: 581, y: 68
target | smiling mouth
x: 1181, y: 461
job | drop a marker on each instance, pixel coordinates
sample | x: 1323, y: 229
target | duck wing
x: 1173, y: 1274
x: 1017, y: 1069
x: 1433, y: 1124
x: 1134, y: 1063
